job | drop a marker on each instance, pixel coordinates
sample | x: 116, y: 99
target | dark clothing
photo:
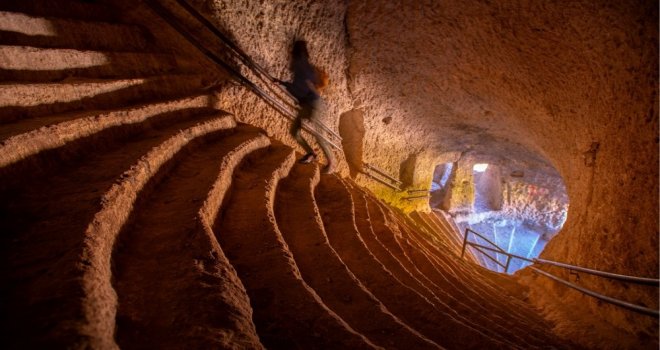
x: 303, y: 88
x: 308, y: 111
x: 304, y: 80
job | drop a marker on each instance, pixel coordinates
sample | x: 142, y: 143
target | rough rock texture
x: 459, y: 197
x: 546, y: 84
x: 536, y: 198
x: 266, y: 31
x: 521, y: 84
x: 544, y: 205
x: 569, y: 88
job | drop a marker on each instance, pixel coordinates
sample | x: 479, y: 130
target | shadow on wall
x: 351, y: 130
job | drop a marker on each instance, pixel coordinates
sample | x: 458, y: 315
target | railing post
x: 464, y: 242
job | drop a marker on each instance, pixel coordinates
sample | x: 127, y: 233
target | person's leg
x: 325, y: 146
x: 329, y: 156
x: 296, y: 132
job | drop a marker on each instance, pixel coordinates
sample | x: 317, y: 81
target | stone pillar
x: 459, y: 196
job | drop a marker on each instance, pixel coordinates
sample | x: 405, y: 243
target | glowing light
x: 480, y: 167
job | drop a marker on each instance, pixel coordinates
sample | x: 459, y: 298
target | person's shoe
x: 328, y: 169
x: 308, y: 158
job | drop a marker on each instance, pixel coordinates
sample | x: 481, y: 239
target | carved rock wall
x: 543, y: 85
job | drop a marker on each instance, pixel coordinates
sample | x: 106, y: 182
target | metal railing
x: 381, y: 176
x: 427, y: 194
x: 246, y: 59
x: 624, y: 278
x: 412, y: 198
x: 281, y: 105
x: 380, y: 180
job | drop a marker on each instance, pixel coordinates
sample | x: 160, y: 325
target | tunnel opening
x: 516, y: 208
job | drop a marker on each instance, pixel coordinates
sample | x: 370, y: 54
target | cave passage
x: 518, y: 209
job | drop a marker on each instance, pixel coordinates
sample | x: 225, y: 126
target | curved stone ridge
x: 137, y: 215
x: 301, y: 226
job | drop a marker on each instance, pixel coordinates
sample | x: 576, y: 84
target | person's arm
x: 312, y: 86
x: 287, y: 85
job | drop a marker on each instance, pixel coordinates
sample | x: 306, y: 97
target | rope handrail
x: 275, y: 104
x: 245, y: 58
x: 632, y: 279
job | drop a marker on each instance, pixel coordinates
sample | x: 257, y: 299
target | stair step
x: 34, y: 64
x: 25, y: 100
x: 385, y: 243
x: 24, y: 126
x: 382, y: 243
x: 387, y: 233
x: 452, y: 274
x: 370, y: 229
x: 287, y: 312
x: 456, y: 294
x: 387, y: 236
x: 339, y: 219
x: 442, y: 229
x: 162, y: 250
x: 321, y: 267
x: 45, y: 226
x: 32, y: 153
x: 72, y: 9
x: 449, y: 225
x: 22, y: 29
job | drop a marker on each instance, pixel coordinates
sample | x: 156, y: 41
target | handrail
x: 616, y: 276
x: 624, y: 304
x: 193, y: 11
x: 247, y: 60
x: 415, y: 197
x: 382, y: 173
x: 213, y: 57
x: 508, y: 260
x: 485, y: 239
x: 478, y: 247
x: 632, y: 279
x: 417, y: 191
x: 500, y: 252
x: 610, y: 275
x: 376, y: 178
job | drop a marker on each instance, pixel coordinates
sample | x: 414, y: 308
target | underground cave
x: 150, y: 194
